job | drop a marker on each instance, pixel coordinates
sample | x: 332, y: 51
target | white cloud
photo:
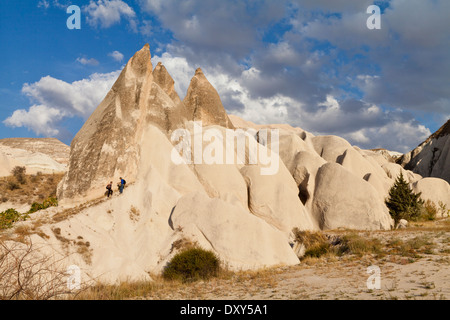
x: 89, y: 62
x: 146, y: 28
x: 362, y: 124
x: 116, y: 55
x: 395, y: 136
x: 47, y: 4
x: 78, y: 98
x: 43, y: 4
x: 39, y: 118
x: 53, y: 100
x: 105, y: 13
x: 61, y: 5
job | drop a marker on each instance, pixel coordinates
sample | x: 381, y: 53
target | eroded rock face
x: 274, y: 198
x: 432, y: 157
x: 203, y: 103
x: 107, y: 146
x: 242, y: 239
x: 163, y: 79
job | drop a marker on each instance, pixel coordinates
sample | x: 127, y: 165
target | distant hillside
x: 52, y: 147
x: 46, y: 155
x: 432, y: 157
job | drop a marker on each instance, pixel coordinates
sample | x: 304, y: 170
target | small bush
x: 308, y: 238
x: 9, y: 217
x: 49, y: 202
x: 316, y: 244
x: 429, y: 211
x: 191, y: 265
x: 445, y: 212
x: 19, y: 174
x: 318, y: 250
x: 355, y: 244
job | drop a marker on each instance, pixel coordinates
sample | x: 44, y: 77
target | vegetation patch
x: 316, y: 243
x: 403, y: 203
x: 22, y: 188
x: 134, y: 213
x: 85, y: 252
x: 191, y: 265
x: 355, y: 244
x: 11, y: 216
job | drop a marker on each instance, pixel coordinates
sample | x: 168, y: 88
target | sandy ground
x: 343, y: 278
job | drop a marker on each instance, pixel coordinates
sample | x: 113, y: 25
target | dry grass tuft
x: 134, y: 213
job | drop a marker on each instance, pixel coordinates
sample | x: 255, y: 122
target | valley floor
x: 414, y: 265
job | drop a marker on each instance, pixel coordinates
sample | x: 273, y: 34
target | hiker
x: 121, y: 184
x: 109, y: 189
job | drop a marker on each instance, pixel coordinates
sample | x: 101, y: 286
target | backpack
x: 124, y: 182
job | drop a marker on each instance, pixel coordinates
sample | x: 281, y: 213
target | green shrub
x: 49, y: 202
x: 403, y: 203
x: 9, y: 217
x: 429, y: 211
x: 443, y: 209
x: 191, y: 265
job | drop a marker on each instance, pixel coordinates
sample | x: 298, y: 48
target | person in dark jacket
x: 109, y: 189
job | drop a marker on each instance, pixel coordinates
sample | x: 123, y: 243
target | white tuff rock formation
x: 432, y: 157
x: 245, y: 217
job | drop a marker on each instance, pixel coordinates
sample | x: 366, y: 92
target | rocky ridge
x: 432, y: 157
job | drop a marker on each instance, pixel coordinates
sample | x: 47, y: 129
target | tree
x: 403, y: 203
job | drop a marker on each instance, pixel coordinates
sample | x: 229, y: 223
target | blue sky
x: 312, y: 64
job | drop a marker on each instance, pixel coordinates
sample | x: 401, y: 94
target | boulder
x: 275, y: 199
x: 330, y: 148
x: 402, y: 224
x: 433, y: 189
x: 289, y: 145
x: 342, y: 200
x: 393, y: 171
x: 241, y: 239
